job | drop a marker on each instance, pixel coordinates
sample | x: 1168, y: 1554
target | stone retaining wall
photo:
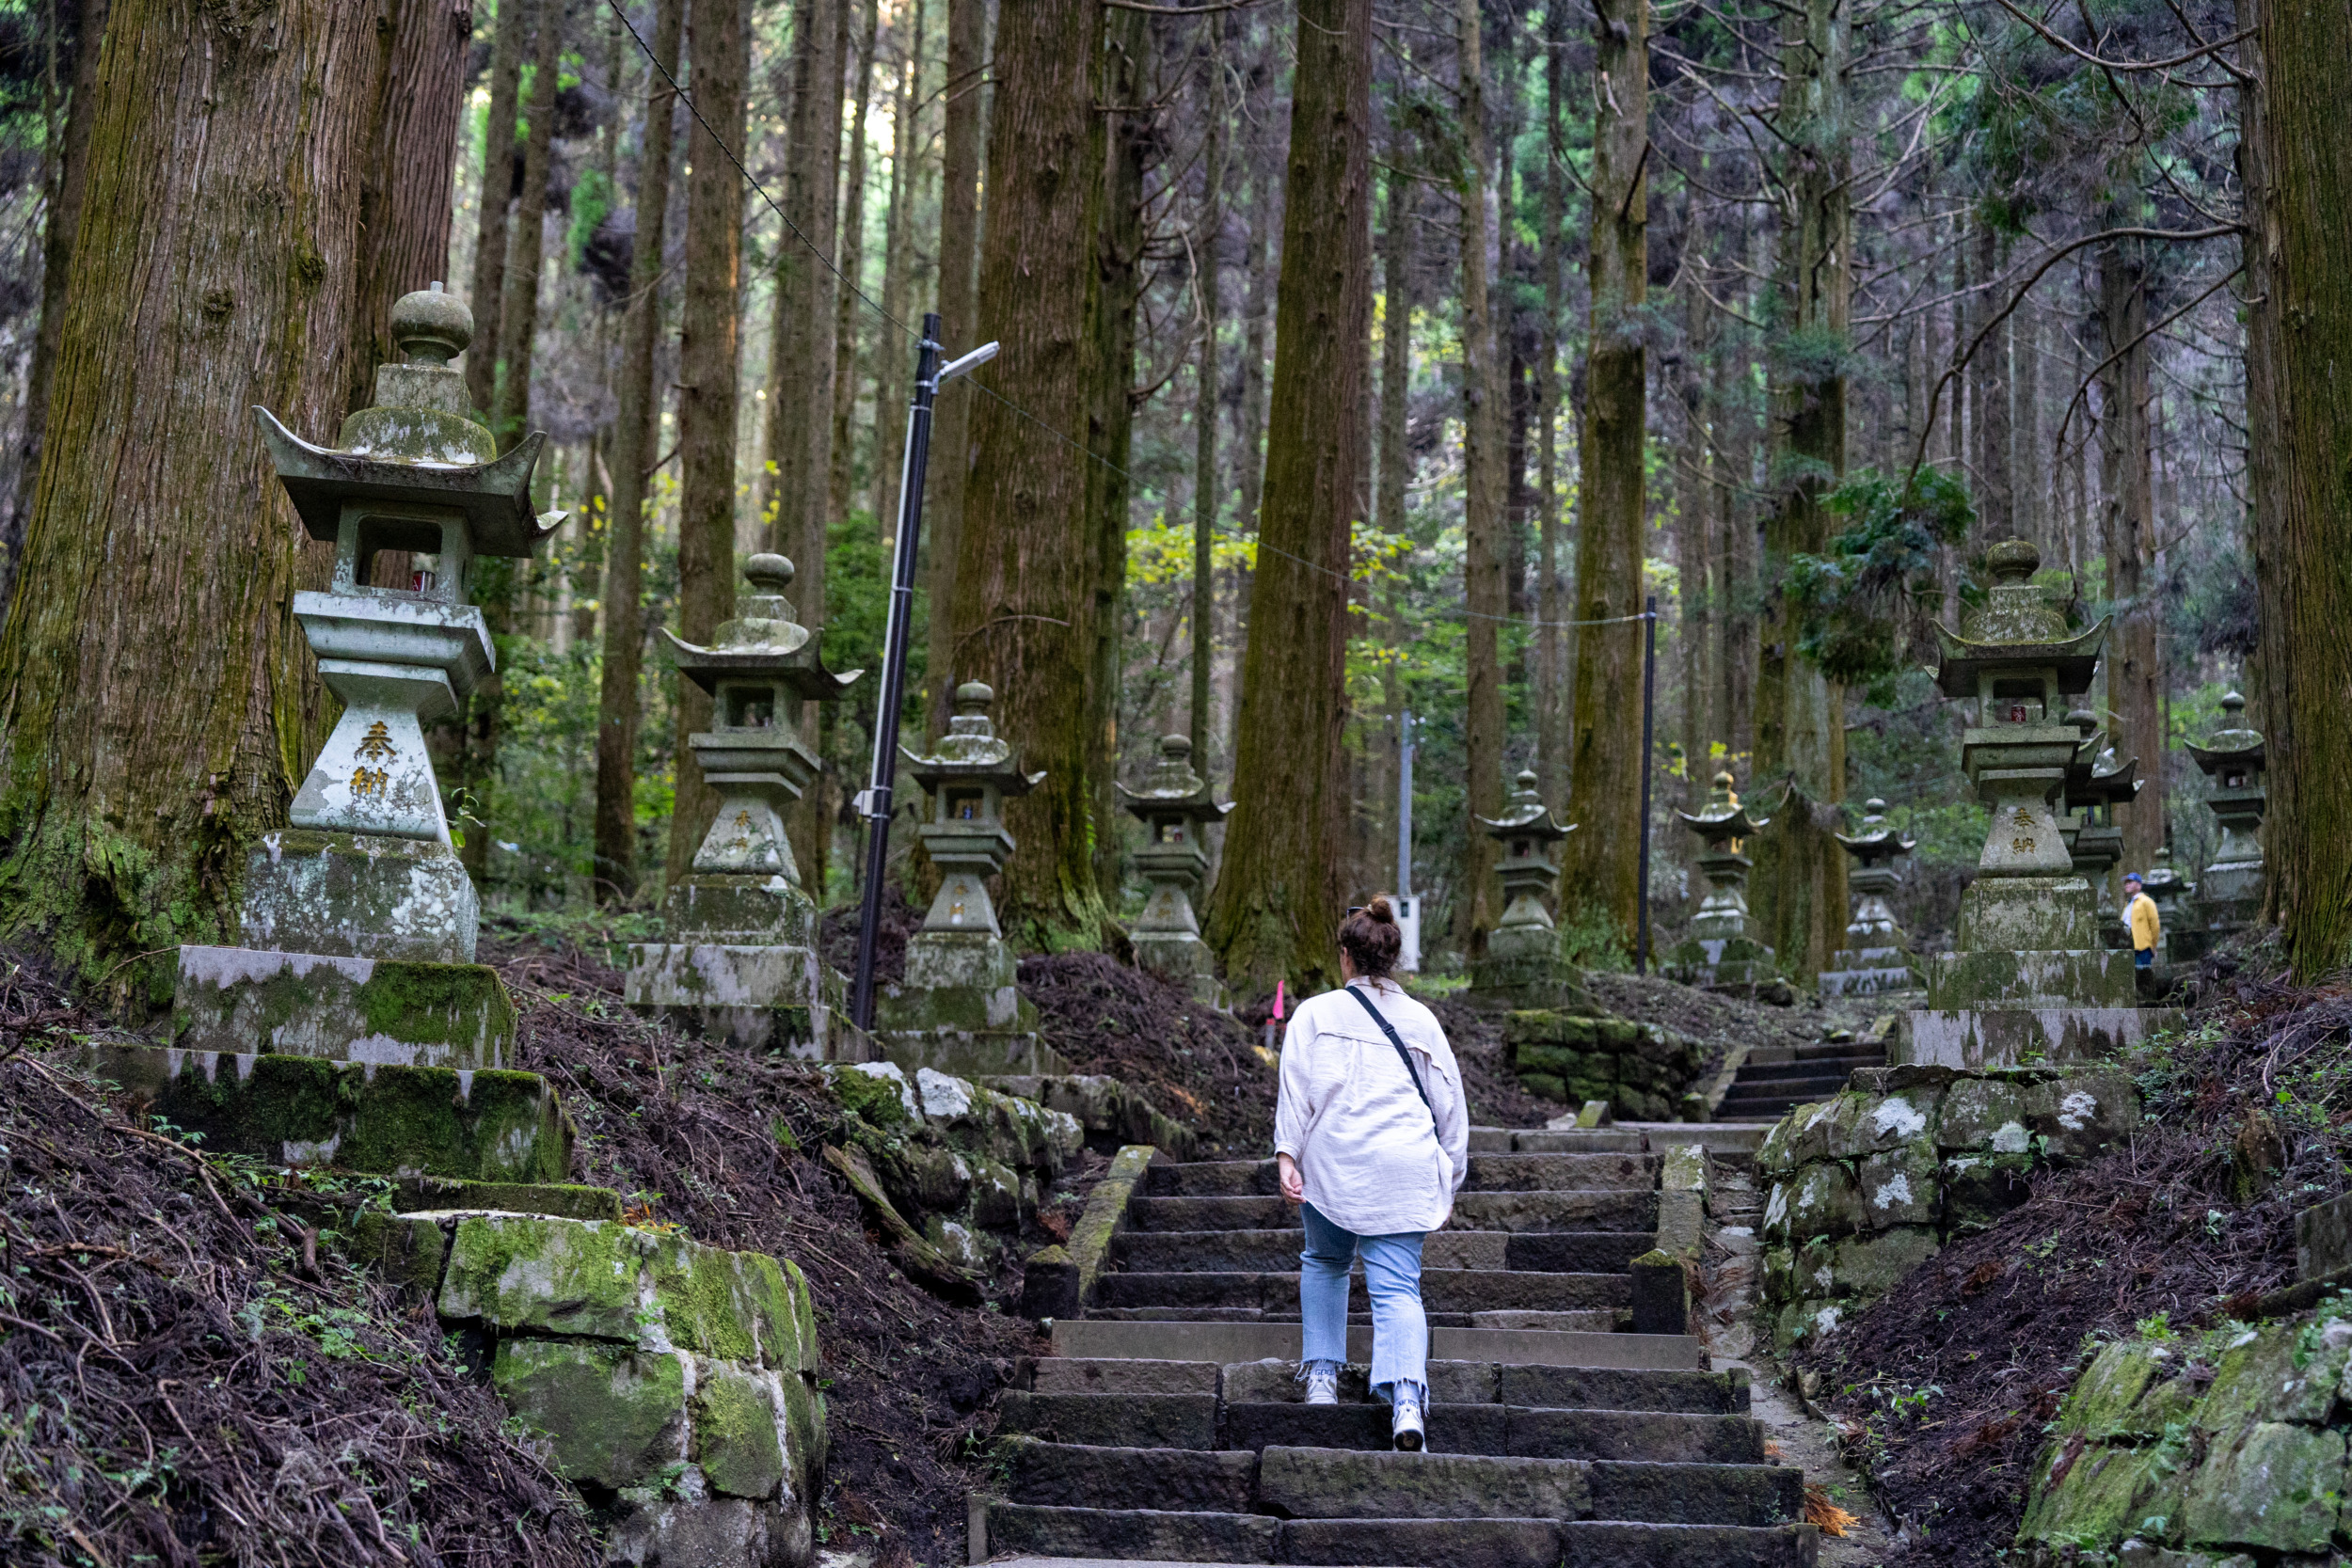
x: 1865, y: 1187
x: 1643, y: 1071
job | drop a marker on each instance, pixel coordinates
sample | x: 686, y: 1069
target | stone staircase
x: 1775, y: 1080
x: 1166, y: 1427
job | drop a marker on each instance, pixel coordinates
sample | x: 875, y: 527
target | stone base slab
x: 1970, y: 1039
x: 1544, y: 984
x: 360, y: 895
x: 486, y: 1125
x: 733, y: 906
x: 971, y: 1053
x: 1867, y: 982
x: 2038, y: 978
x: 759, y: 997
x: 244, y: 1001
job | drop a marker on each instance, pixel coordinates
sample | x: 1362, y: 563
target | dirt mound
x: 1722, y: 1021
x: 1942, y: 1386
x: 1196, y: 1064
x: 1497, y: 1099
x: 186, y: 1376
x: 724, y: 1142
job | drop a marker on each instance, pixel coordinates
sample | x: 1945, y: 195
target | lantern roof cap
x: 1525, y: 815
x: 762, y: 641
x: 1724, y: 818
x: 2015, y: 625
x: 1876, y: 838
x: 2233, y: 745
x: 1172, y: 786
x: 971, y: 750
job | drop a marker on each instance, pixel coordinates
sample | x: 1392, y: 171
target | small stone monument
x: 958, y: 1009
x: 2032, y: 980
x: 741, y: 959
x: 1876, y: 958
x: 1523, y: 967
x: 2095, y: 784
x: 1722, y: 951
x: 2230, y: 894
x: 1178, y: 809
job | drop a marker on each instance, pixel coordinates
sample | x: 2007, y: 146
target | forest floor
x: 1940, y: 1389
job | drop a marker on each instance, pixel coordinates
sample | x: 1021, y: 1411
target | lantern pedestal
x: 1876, y: 959
x: 1177, y: 808
x: 2230, y: 890
x: 1523, y: 968
x: 741, y: 963
x: 1721, y: 951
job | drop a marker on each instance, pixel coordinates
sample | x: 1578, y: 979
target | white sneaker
x: 1322, y: 1383
x: 1405, y: 1425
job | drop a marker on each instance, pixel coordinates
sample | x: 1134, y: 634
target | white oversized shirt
x: 1372, y: 1157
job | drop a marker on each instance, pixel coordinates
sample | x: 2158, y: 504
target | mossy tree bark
x: 958, y: 246
x: 1277, y: 897
x: 1207, y: 487
x: 1129, y: 139
x: 1603, y: 864
x: 893, y: 366
x: 1478, y: 906
x: 845, y: 304
x: 1552, y: 726
x: 1800, y: 877
x: 1023, y: 609
x: 2134, y: 663
x: 155, y: 693
x: 2300, y: 177
x: 69, y: 179
x: 500, y: 147
x: 710, y: 356
x: 526, y: 240
x: 619, y: 697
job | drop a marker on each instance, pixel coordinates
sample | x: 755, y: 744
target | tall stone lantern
x: 1722, y: 949
x: 958, y: 1008
x: 366, y: 878
x: 741, y: 956
x: 2031, y: 979
x: 1178, y: 809
x: 2230, y: 894
x: 1876, y: 958
x: 1523, y: 967
x: 2096, y: 783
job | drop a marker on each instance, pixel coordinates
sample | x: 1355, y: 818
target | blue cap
x: 2134, y: 877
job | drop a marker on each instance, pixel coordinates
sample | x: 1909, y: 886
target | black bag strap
x: 1402, y: 1055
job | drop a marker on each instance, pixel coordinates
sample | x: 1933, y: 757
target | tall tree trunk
x: 709, y: 357
x: 1696, y: 594
x: 499, y: 149
x: 1278, y: 896
x: 619, y: 699
x: 1119, y: 260
x: 886, y: 350
x: 69, y: 179
x: 2029, y: 477
x: 1736, y: 546
x: 1397, y: 254
x: 1800, y: 874
x: 895, y: 369
x: 404, y: 188
x: 2133, y: 664
x: 1551, y: 716
x: 155, y: 694
x: 1477, y: 909
x: 1022, y: 604
x: 1207, y: 486
x: 959, y: 256
x: 1989, y: 393
x: 1265, y: 192
x: 518, y: 310
x: 1605, y: 733
x: 2300, y: 185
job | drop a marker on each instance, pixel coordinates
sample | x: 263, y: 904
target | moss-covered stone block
x: 1823, y: 1200
x: 494, y: 1126
x: 2092, y: 1496
x: 2279, y: 1488
x: 555, y: 1199
x: 407, y: 1253
x: 1881, y: 1122
x: 1816, y: 1130
x: 1547, y: 1085
x: 528, y: 1274
x: 1900, y: 1186
x: 1987, y: 1115
x: 2082, y: 1113
x: 2107, y: 1402
x: 357, y: 894
x: 242, y: 999
x: 736, y: 1439
x: 1979, y: 1188
x: 1871, y: 1265
x: 707, y: 1302
x: 615, y: 1417
x: 2276, y: 1374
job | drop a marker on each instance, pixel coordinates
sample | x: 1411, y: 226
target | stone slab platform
x: 381, y: 1011
x: 1226, y: 1342
x: 484, y: 1125
x: 1973, y: 1038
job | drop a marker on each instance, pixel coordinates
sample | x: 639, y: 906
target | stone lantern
x: 1523, y: 967
x: 2096, y: 783
x: 1176, y: 806
x: 1876, y: 958
x: 2230, y: 894
x: 742, y: 956
x: 959, y: 1009
x: 2031, y: 979
x: 1722, y: 949
x: 366, y: 877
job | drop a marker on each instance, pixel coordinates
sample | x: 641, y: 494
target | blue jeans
x: 1400, y: 1330
x: 2144, y: 959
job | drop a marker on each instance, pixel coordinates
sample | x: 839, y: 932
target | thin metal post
x: 1649, y: 712
x: 1404, y: 805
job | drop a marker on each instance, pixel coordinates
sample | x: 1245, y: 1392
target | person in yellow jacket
x: 2146, y: 930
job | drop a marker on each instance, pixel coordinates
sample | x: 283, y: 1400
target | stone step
x: 1592, y: 1209
x: 1348, y: 1483
x: 1079, y: 1536
x: 1442, y: 1290
x: 1487, y: 1173
x: 1219, y: 1251
x: 1228, y: 1342
x: 1725, y: 1393
x: 1807, y: 1068
x: 1525, y: 1431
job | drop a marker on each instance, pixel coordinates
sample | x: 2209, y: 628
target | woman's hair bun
x: 1371, y: 937
x: 1378, y: 909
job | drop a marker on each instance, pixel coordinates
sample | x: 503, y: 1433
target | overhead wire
x: 693, y: 109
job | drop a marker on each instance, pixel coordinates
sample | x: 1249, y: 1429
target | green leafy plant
x: 1854, y: 603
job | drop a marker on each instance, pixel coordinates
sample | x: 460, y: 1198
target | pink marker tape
x: 1277, y: 1000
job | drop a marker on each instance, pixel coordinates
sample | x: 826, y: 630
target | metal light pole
x: 1408, y: 907
x: 874, y: 803
x: 1649, y: 709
